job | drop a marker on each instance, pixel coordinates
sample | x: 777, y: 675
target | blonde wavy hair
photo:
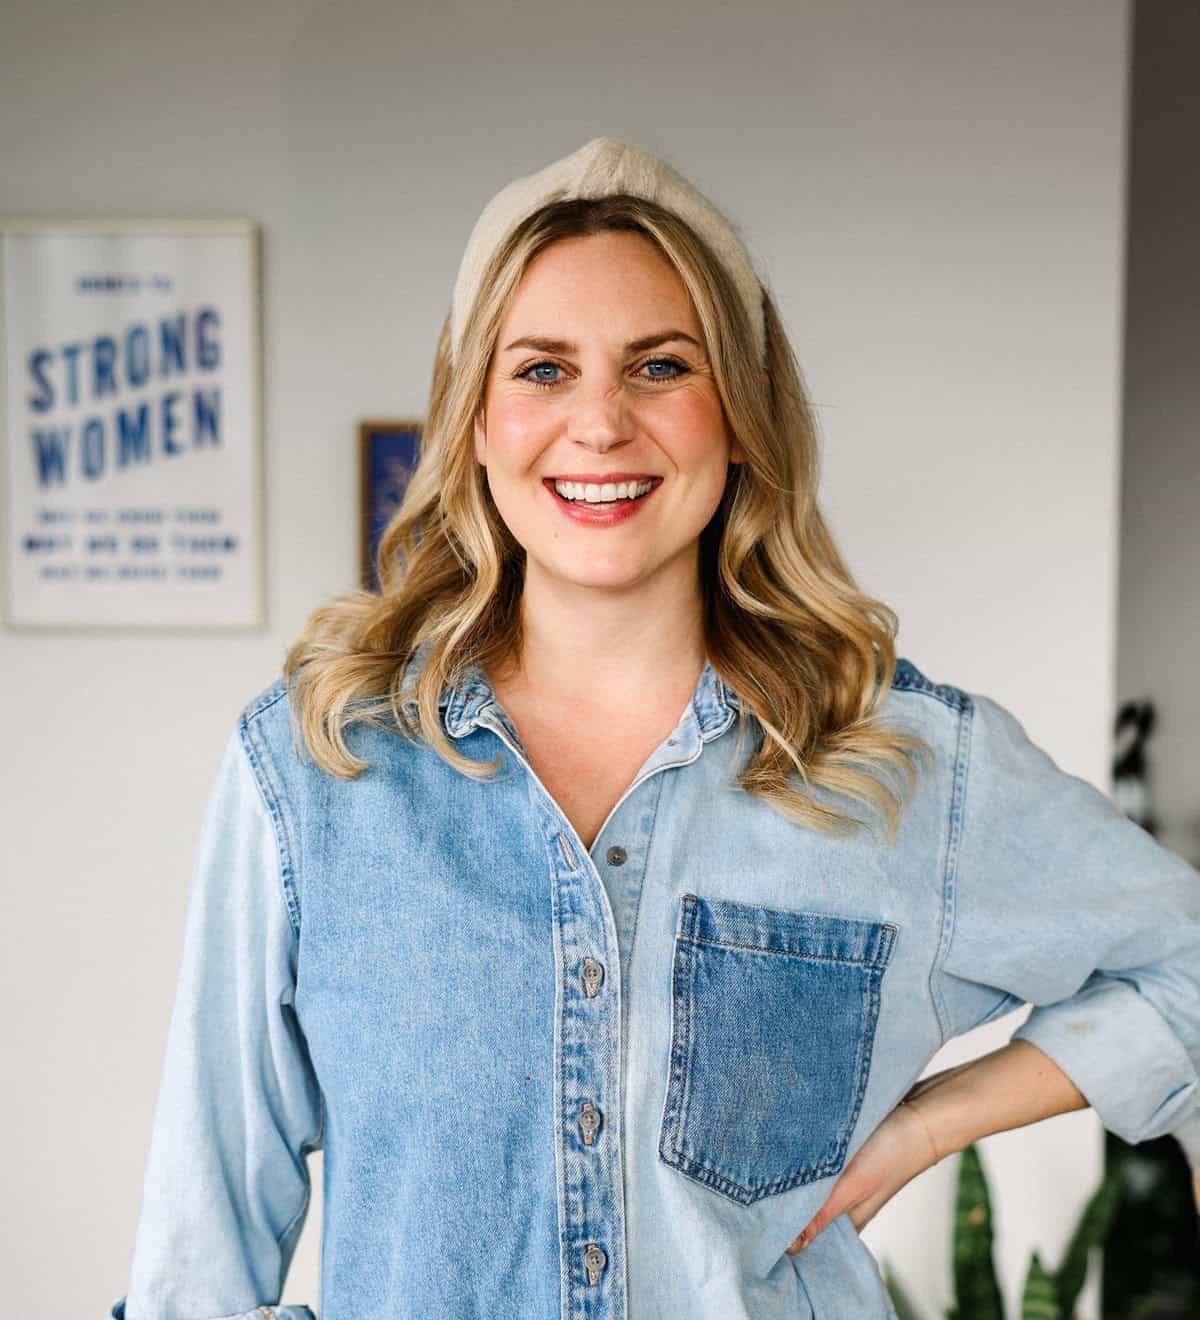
x: 809, y: 656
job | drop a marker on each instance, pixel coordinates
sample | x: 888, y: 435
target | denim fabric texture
x: 736, y: 1118
x: 615, y: 1083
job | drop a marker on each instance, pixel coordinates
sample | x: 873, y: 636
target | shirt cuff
x: 1118, y: 1050
x: 264, y: 1312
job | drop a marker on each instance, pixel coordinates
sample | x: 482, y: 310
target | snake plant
x: 1047, y: 1294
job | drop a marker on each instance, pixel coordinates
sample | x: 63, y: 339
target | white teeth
x: 591, y: 493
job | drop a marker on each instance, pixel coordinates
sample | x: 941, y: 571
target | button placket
x: 589, y: 1083
x: 588, y: 1058
x: 590, y: 1038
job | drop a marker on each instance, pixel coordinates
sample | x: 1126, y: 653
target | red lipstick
x: 601, y: 515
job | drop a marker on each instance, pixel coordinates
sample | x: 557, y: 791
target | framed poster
x: 131, y: 409
x: 387, y: 456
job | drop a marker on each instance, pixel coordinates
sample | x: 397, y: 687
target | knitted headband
x: 598, y: 169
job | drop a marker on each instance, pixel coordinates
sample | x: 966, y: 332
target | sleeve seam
x: 1043, y: 1029
x: 954, y: 832
x: 271, y: 796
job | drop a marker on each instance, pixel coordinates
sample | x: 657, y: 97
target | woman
x: 593, y: 1002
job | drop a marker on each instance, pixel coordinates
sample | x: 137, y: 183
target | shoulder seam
x: 268, y: 697
x: 954, y: 834
x: 271, y: 791
x: 909, y: 678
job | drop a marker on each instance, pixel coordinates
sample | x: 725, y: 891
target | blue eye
x: 525, y: 373
x: 538, y: 366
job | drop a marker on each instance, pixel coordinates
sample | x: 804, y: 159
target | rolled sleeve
x: 266, y: 1312
x: 226, y: 1186
x: 1058, y: 900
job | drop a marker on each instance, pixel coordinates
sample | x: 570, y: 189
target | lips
x: 606, y: 514
x: 600, y: 478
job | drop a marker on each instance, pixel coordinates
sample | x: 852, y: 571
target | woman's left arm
x: 1055, y: 899
x: 943, y: 1113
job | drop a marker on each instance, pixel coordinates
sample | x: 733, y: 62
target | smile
x: 602, y: 493
x: 599, y: 504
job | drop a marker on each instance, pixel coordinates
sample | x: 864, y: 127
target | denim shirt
x: 553, y: 1081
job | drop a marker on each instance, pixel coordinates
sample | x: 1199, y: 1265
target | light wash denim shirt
x: 616, y: 1082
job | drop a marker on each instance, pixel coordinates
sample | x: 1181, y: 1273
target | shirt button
x: 594, y: 1261
x: 589, y: 1122
x: 615, y: 855
x: 593, y: 974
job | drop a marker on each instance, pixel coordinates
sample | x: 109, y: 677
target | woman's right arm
x: 226, y: 1188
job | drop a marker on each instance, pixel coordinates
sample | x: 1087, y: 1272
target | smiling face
x: 617, y: 388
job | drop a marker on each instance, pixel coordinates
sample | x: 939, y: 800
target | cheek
x: 696, y: 429
x: 515, y: 429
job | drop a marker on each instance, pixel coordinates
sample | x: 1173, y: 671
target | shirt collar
x: 712, y: 708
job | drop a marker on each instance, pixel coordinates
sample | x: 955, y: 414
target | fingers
x: 799, y: 1244
x: 839, y: 1199
x: 895, y: 1152
x: 860, y: 1215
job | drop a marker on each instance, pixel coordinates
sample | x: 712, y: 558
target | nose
x: 600, y: 417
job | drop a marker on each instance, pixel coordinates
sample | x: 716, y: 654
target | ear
x: 736, y: 453
x: 480, y: 440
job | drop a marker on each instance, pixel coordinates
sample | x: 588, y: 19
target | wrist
x: 914, y: 1108
x: 1008, y: 1088
x: 946, y: 1103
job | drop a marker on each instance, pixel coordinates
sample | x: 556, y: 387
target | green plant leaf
x: 1039, y: 1300
x: 976, y: 1290
x: 1091, y: 1230
x: 900, y: 1299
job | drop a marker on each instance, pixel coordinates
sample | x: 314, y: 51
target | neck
x: 592, y: 648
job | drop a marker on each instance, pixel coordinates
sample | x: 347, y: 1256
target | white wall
x: 935, y: 189
x: 1159, y: 630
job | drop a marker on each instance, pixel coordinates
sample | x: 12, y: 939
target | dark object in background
x: 1152, y: 1252
x: 1131, y: 779
x: 387, y: 457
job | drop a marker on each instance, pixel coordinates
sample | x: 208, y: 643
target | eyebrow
x: 541, y: 344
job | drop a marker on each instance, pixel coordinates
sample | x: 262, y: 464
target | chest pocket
x: 773, y: 1019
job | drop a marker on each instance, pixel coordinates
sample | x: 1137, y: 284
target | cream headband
x: 599, y: 168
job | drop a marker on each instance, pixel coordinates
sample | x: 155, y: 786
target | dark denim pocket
x: 773, y: 1018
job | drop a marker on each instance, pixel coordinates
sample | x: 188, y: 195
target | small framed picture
x: 130, y: 396
x: 387, y: 457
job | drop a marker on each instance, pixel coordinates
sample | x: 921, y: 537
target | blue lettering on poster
x: 139, y: 393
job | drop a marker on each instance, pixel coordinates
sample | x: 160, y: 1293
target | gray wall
x: 1159, y: 628
x: 935, y: 189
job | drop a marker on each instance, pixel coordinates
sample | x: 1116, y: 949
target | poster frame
x: 171, y: 226
x: 369, y: 432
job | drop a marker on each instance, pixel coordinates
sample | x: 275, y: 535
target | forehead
x: 613, y: 274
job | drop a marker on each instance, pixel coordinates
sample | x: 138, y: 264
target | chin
x: 601, y: 577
